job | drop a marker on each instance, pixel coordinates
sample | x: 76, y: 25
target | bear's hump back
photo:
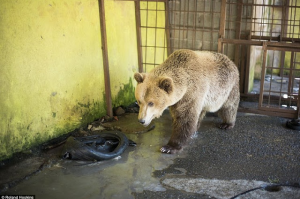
x: 180, y: 57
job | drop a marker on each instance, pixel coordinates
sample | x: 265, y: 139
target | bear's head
x: 153, y: 96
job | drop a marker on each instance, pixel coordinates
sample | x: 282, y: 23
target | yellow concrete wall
x: 122, y: 50
x: 51, y: 74
x: 51, y: 66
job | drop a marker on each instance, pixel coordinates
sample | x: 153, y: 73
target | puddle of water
x: 107, y: 179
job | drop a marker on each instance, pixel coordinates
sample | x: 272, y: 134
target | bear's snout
x: 142, y: 121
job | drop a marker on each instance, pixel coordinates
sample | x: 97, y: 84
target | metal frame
x: 269, y: 42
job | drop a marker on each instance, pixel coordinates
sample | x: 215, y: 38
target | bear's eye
x: 150, y: 104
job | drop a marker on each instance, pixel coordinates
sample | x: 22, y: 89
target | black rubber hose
x: 84, y: 148
x: 270, y: 188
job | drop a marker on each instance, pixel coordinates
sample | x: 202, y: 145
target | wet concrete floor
x: 259, y: 151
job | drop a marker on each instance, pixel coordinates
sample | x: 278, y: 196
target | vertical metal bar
x: 247, y: 72
x: 253, y: 15
x: 294, y: 22
x: 291, y: 80
x: 262, y: 20
x: 139, y: 35
x: 263, y: 73
x: 284, y: 25
x: 172, y: 26
x: 146, y: 44
x: 109, y: 110
x: 239, y: 19
x: 282, y: 58
x: 271, y: 67
x: 242, y: 68
x: 230, y: 5
x: 238, y: 36
x: 185, y: 22
x: 298, y: 101
x: 185, y: 26
x: 155, y: 34
x: 222, y: 25
x: 194, y: 26
x: 203, y: 26
x: 211, y: 25
x: 179, y: 25
x: 272, y: 23
x: 220, y: 45
x: 280, y: 91
x: 167, y: 27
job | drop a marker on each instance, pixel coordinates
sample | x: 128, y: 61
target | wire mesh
x: 194, y: 24
x: 281, y: 92
x: 154, y: 42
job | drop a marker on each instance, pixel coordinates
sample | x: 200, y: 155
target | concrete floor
x: 216, y: 164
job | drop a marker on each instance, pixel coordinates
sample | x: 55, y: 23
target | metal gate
x: 262, y: 37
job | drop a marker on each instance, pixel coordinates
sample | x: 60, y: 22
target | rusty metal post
x: 220, y: 45
x: 222, y: 26
x: 167, y: 27
x: 222, y: 19
x: 139, y: 35
x: 109, y: 110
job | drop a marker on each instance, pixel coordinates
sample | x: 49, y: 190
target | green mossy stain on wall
x: 84, y: 105
x: 93, y: 111
x: 125, y: 96
x: 23, y: 137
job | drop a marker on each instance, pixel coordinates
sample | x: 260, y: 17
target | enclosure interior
x: 262, y: 38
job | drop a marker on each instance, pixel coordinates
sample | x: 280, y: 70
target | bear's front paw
x: 168, y: 149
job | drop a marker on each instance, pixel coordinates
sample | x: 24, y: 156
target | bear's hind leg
x: 228, y: 115
x: 202, y: 115
x: 229, y: 110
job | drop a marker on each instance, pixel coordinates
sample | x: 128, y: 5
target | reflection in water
x: 116, y: 178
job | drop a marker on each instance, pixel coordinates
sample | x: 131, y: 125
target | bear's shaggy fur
x: 190, y: 83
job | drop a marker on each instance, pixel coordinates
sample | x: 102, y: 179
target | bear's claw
x: 168, y: 149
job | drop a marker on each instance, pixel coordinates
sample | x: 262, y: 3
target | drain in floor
x: 273, y: 188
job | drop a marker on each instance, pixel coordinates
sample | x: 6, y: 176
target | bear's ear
x: 139, y: 77
x: 166, y: 84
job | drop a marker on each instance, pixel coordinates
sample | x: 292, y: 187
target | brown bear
x: 190, y: 83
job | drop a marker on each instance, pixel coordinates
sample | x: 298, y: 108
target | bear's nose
x: 142, y: 121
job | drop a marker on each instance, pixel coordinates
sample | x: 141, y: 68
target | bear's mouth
x: 147, y: 122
